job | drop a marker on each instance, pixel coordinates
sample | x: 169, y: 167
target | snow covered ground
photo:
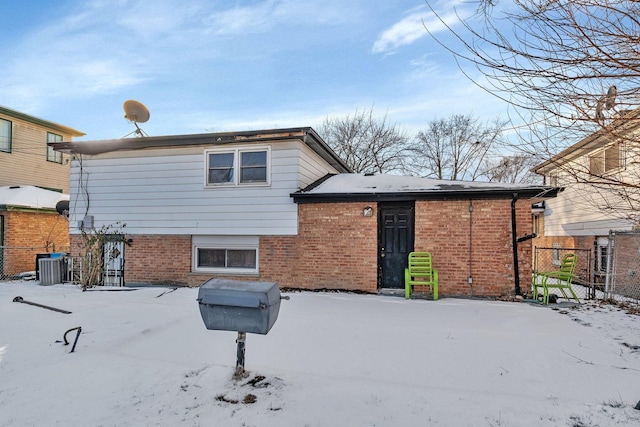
x: 144, y: 358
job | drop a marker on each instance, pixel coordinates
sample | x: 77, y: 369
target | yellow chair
x: 420, y: 272
x: 559, y: 279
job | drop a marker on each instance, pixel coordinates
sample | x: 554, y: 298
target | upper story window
x: 607, y: 160
x: 52, y: 155
x: 5, y: 135
x: 238, y: 166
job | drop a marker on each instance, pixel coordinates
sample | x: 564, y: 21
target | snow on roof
x: 30, y: 196
x: 381, y: 183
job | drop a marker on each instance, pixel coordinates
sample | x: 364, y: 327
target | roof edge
x: 624, y: 123
x: 39, y: 121
x: 533, y: 193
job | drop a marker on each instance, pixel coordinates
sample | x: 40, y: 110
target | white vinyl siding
x: 575, y: 211
x: 26, y: 163
x: 572, y: 213
x: 161, y: 191
x: 311, y: 167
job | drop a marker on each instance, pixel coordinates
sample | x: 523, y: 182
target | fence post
x: 609, y: 274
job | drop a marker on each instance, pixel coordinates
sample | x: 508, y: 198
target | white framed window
x: 226, y: 254
x: 52, y: 155
x: 5, y: 135
x: 240, y: 166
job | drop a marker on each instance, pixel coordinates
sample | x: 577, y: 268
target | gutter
x: 474, y: 194
x: 16, y: 208
x: 35, y: 120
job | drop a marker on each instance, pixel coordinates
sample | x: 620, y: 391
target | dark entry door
x: 395, y: 241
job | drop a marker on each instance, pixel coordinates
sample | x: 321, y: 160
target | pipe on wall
x: 514, y: 243
x: 470, y: 279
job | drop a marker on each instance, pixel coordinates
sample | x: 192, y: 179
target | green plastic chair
x: 420, y: 272
x: 560, y: 279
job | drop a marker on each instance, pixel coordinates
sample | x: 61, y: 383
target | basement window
x: 226, y: 254
x: 237, y: 167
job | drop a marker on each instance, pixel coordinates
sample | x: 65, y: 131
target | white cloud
x: 401, y: 33
x: 416, y: 25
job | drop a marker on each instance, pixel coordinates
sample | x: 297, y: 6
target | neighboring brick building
x: 279, y: 205
x: 29, y: 224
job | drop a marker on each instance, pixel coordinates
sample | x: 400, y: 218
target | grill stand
x: 240, y: 372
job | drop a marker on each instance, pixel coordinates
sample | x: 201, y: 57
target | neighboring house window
x: 553, y: 179
x: 555, y: 254
x: 237, y: 167
x: 536, y: 224
x: 5, y: 135
x: 606, y: 160
x: 602, y: 247
x: 602, y: 259
x: 52, y: 155
x: 226, y: 254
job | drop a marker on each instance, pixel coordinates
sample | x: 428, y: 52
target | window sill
x: 222, y: 274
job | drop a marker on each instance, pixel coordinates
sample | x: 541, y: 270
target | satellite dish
x: 62, y: 207
x: 136, y: 112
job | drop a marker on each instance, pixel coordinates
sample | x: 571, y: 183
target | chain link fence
x: 584, y: 282
x: 622, y: 260
x: 20, y: 263
x: 610, y: 271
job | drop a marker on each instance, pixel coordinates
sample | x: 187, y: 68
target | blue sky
x: 202, y: 66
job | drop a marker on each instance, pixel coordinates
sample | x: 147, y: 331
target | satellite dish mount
x: 136, y: 112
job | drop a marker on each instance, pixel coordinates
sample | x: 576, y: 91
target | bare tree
x: 366, y: 143
x: 568, y: 69
x: 454, y: 148
x: 514, y: 169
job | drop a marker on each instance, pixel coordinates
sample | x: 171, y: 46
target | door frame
x: 113, y: 276
x: 410, y: 207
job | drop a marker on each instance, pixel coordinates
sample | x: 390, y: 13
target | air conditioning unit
x: 51, y: 270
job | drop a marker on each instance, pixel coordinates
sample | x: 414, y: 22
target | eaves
x: 536, y: 193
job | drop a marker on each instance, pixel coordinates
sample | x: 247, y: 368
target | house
x: 601, y: 179
x: 280, y: 205
x: 29, y: 225
x: 24, y: 155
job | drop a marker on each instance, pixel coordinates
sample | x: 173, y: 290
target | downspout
x: 609, y: 274
x: 470, y: 279
x: 514, y: 243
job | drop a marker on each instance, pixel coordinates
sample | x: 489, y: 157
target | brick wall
x: 626, y: 265
x: 43, y: 231
x: 475, y: 244
x: 337, y: 248
x: 153, y: 259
